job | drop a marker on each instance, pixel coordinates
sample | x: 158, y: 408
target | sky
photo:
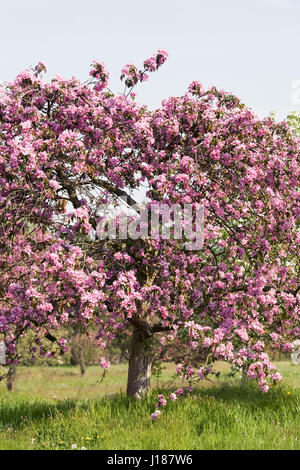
x: 247, y: 47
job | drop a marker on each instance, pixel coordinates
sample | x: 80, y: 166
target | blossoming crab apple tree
x: 68, y: 148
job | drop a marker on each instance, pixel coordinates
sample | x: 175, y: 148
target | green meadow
x: 57, y: 408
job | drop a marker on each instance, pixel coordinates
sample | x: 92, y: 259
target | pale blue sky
x: 248, y: 47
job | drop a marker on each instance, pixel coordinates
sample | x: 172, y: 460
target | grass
x: 54, y: 407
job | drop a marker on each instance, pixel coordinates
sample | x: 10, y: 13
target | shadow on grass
x: 247, y: 396
x: 19, y: 412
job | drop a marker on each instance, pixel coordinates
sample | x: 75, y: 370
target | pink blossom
x: 104, y: 363
x: 155, y: 415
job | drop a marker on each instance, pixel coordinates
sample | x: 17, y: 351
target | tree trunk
x: 244, y: 377
x: 140, y: 361
x: 81, y: 360
x: 11, y: 377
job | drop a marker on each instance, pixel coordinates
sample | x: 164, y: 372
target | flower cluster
x: 99, y: 72
x: 156, y: 60
x: 131, y: 75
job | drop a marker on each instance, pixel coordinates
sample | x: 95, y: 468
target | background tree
x: 293, y: 120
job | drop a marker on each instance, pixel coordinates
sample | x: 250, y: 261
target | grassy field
x: 55, y: 408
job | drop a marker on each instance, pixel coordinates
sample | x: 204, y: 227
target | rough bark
x: 140, y: 361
